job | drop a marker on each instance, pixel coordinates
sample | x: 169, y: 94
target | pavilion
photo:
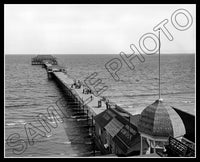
x: 158, y: 121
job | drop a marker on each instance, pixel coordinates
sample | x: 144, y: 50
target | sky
x: 93, y: 29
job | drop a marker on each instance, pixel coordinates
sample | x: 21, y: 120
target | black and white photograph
x: 99, y: 80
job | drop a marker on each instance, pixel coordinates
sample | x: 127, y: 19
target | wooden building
x: 116, y: 130
x: 41, y: 59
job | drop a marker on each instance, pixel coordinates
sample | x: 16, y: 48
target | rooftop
x: 161, y: 120
x: 44, y: 56
x: 124, y: 134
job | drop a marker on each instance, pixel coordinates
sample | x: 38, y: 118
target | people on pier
x: 79, y: 82
x: 87, y: 91
x: 107, y: 104
x: 76, y: 84
x: 99, y: 103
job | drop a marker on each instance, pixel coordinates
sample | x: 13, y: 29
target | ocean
x: 29, y: 92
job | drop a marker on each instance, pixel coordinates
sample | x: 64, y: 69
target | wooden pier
x: 93, y: 107
x: 113, y: 129
x: 88, y: 102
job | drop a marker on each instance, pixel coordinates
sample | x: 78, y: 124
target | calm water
x: 28, y: 92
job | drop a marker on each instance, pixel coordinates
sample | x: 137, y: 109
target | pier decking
x: 89, y: 101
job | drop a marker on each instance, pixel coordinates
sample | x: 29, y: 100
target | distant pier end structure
x: 41, y: 59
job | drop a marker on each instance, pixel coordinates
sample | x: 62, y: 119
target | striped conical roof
x: 161, y: 120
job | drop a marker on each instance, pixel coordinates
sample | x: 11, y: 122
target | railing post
x: 93, y: 136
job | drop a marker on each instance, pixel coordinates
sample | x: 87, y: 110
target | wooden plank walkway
x: 90, y: 101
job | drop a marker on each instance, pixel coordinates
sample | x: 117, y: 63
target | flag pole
x: 159, y: 63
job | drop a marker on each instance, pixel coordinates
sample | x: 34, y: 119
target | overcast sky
x: 91, y: 29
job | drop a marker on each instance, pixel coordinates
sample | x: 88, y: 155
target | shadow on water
x: 76, y: 125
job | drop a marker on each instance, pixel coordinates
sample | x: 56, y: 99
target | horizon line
x: 94, y: 53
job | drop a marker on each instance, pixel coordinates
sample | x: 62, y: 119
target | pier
x: 42, y: 59
x: 114, y: 130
